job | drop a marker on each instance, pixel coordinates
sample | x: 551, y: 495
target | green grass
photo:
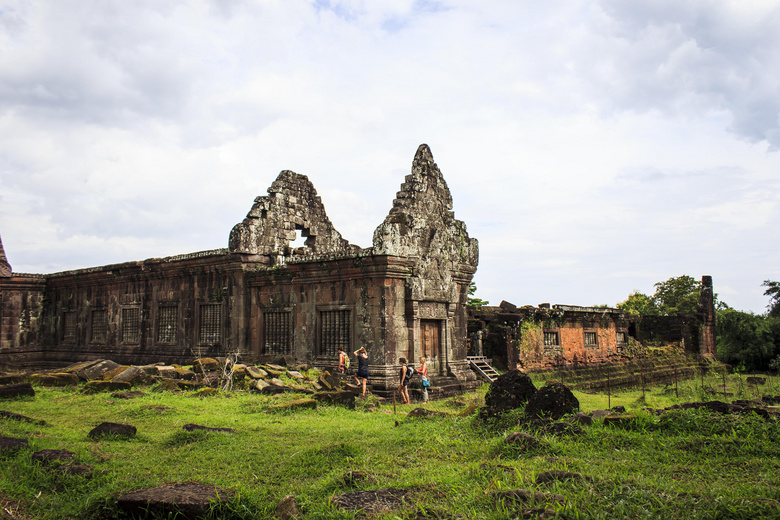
x: 683, y: 464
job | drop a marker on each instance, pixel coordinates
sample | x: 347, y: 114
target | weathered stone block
x: 109, y: 429
x: 93, y: 387
x: 17, y: 390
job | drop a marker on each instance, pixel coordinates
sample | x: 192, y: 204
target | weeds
x: 687, y: 463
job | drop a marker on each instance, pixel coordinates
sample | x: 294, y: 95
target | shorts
x: 362, y: 373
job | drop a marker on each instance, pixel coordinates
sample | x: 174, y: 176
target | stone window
x: 277, y: 332
x: 99, y: 326
x: 210, y: 323
x: 622, y: 338
x: 167, y: 323
x: 69, y: 325
x: 591, y: 339
x: 130, y: 325
x: 335, y: 331
x: 551, y: 339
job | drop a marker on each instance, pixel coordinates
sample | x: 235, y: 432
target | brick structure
x: 262, y: 298
x: 556, y: 336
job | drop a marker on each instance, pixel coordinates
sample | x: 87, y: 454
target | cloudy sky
x: 592, y: 147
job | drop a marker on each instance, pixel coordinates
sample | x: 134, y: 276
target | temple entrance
x: 430, y: 343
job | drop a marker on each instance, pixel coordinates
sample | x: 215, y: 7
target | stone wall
x: 547, y: 337
x: 21, y: 310
x: 403, y: 297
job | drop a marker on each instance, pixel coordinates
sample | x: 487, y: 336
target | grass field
x: 683, y: 464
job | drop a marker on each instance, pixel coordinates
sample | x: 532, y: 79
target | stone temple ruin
x: 263, y: 299
x: 404, y: 296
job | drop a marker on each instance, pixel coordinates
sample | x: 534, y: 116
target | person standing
x: 362, y: 371
x: 403, y: 387
x: 343, y: 361
x: 424, y: 377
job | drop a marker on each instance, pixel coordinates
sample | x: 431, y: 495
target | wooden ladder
x: 483, y: 369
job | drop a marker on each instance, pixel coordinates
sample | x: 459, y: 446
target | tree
x: 638, y: 304
x: 773, y: 291
x: 748, y: 340
x: 474, y: 301
x: 677, y: 294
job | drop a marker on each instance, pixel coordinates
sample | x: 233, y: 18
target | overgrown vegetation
x: 745, y: 340
x: 681, y: 464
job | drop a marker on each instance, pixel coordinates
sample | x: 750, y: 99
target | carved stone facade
x: 262, y: 298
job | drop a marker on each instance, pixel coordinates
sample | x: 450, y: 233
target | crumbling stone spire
x: 5, y: 267
x: 421, y: 221
x: 292, y: 205
x: 421, y: 225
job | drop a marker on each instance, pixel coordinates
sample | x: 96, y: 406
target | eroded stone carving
x: 292, y: 205
x: 422, y: 225
x: 5, y: 267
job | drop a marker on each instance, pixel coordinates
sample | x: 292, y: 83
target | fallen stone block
x: 50, y: 456
x: 109, y: 429
x: 521, y: 439
x: 374, y: 502
x: 93, y: 387
x: 11, y: 444
x: 12, y: 379
x: 525, y: 495
x: 255, y: 372
x: 185, y: 374
x: 424, y: 412
x: 167, y: 371
x: 190, y: 500
x: 206, y: 392
x: 55, y: 380
x: 287, y: 509
x: 96, y: 370
x: 203, y: 365
x: 553, y: 400
x: 16, y: 390
x: 128, y: 395
x: 167, y: 385
x: 18, y: 417
x: 340, y: 398
x: 133, y: 375
x: 192, y: 427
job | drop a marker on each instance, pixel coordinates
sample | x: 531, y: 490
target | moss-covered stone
x: 93, y: 387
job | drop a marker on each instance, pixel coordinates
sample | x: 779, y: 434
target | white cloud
x: 592, y: 148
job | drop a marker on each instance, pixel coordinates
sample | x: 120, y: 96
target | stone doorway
x: 430, y: 344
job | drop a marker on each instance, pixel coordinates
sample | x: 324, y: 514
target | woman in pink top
x: 425, y: 381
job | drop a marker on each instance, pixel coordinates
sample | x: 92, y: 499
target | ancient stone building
x: 554, y: 336
x: 260, y: 297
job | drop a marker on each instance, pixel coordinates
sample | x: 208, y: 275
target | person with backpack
x: 407, y: 372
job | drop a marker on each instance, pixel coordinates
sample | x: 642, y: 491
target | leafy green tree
x: 473, y: 301
x: 773, y: 291
x: 638, y: 304
x: 677, y: 294
x: 751, y: 341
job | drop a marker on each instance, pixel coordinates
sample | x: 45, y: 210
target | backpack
x: 410, y: 372
x: 346, y: 361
